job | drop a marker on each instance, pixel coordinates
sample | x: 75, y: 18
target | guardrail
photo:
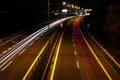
x: 109, y: 55
x: 22, y: 44
x: 19, y: 46
x: 38, y: 69
x: 14, y: 50
x: 106, y: 52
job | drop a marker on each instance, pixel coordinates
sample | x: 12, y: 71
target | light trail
x: 9, y: 54
x: 6, y: 65
x: 96, y: 58
x: 33, y: 64
x: 77, y: 63
x: 75, y: 53
x: 53, y: 70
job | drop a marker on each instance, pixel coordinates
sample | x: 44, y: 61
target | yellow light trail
x: 24, y: 78
x: 53, y: 70
x: 77, y: 64
x: 73, y: 45
x: 6, y: 65
x: 98, y: 60
x: 75, y: 53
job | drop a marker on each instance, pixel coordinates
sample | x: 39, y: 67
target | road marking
x: 4, y: 52
x: 73, y: 45
x: 107, y: 53
x: 97, y: 59
x: 9, y: 48
x: 31, y: 67
x: 75, y: 53
x: 22, y: 51
x: 72, y: 36
x: 37, y: 38
x: 6, y: 65
x: 77, y: 64
x: 73, y: 40
x: 54, y: 65
x: 31, y: 43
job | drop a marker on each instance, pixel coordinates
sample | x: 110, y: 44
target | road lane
x: 10, y: 41
x: 102, y: 55
x: 78, y: 61
x: 93, y: 64
x: 18, y: 66
x: 67, y: 67
x: 19, y: 59
x: 89, y: 66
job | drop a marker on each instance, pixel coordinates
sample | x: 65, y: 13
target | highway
x: 76, y: 55
x: 79, y: 58
x: 18, y: 62
x: 17, y: 67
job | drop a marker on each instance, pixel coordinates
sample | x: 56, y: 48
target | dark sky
x: 86, y: 3
x: 15, y: 15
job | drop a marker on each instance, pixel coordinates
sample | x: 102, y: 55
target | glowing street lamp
x: 64, y: 3
x: 68, y: 5
x: 48, y: 10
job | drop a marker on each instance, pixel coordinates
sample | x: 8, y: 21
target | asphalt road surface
x: 77, y: 60
x: 77, y: 57
x: 17, y: 67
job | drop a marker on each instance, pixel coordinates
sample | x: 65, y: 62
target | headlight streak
x: 56, y: 56
x: 14, y: 50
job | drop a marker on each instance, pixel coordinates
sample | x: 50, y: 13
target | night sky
x: 19, y: 14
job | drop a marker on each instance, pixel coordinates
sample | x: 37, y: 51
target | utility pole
x: 48, y: 11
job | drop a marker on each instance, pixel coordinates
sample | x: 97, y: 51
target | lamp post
x: 64, y: 3
x: 48, y: 10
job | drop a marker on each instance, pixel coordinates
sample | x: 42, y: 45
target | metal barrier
x: 38, y: 69
x: 108, y: 55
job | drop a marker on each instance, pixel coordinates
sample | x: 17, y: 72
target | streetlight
x: 48, y: 10
x: 64, y: 3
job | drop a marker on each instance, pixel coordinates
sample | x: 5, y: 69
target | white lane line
x: 73, y: 45
x: 75, y: 53
x: 55, y: 61
x: 97, y: 59
x: 4, y: 52
x: 37, y: 38
x: 72, y: 36
x: 6, y: 65
x: 73, y: 40
x: 77, y: 64
x: 22, y: 51
x: 9, y: 48
x: 31, y: 43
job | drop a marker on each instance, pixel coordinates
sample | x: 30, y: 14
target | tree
x: 113, y: 21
